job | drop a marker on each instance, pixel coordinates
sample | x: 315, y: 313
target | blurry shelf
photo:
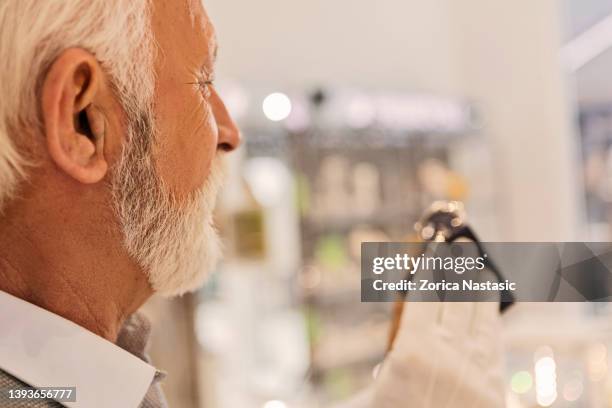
x: 374, y: 138
x: 344, y: 222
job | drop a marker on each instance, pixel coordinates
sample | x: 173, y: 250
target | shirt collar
x: 43, y: 349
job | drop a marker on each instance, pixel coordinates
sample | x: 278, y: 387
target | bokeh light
x: 277, y: 107
x: 521, y: 382
x: 275, y: 404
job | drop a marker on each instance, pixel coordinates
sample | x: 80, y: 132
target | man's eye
x: 205, y: 87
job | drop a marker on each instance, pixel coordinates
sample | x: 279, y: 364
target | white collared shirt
x: 43, y: 349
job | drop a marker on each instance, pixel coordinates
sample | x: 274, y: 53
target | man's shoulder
x: 8, y: 382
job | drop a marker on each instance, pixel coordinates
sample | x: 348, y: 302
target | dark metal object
x: 445, y: 221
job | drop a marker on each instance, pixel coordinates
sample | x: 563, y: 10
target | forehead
x: 183, y: 31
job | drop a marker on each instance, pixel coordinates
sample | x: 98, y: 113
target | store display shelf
x: 345, y: 222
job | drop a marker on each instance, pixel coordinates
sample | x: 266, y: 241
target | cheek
x: 187, y: 141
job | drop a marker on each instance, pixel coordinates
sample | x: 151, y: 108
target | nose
x: 229, y: 134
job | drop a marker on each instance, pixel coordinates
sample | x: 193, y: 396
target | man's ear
x: 74, y: 128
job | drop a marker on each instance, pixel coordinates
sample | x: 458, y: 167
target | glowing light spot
x: 277, y: 107
x: 275, y: 404
x: 521, y: 382
x: 546, y: 381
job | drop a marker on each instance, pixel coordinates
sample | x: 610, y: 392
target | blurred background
x: 357, y: 115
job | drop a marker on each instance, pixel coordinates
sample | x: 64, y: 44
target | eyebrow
x: 215, y: 42
x: 209, y: 64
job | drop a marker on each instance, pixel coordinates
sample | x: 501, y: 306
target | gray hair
x: 33, y: 33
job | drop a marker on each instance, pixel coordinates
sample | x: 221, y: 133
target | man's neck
x: 76, y: 272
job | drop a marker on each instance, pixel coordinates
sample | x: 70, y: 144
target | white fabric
x: 446, y: 355
x: 45, y: 350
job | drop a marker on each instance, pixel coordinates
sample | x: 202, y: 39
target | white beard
x: 177, y: 245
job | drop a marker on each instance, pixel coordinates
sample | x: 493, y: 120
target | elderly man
x: 111, y: 137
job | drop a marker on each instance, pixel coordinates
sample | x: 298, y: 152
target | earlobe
x: 74, y: 128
